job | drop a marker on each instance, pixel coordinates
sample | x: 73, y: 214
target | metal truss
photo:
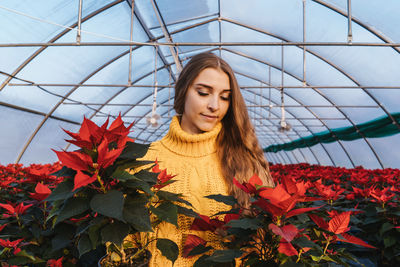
x: 219, y: 46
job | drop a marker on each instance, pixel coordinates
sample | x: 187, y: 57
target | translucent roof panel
x: 50, y: 77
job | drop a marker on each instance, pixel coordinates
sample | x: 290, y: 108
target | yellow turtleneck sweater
x: 193, y: 159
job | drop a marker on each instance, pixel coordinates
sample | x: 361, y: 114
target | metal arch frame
x: 219, y: 25
x: 299, y: 136
x: 289, y: 138
x: 85, y: 79
x: 150, y: 36
x: 54, y: 39
x: 349, y: 120
x: 62, y: 100
x: 36, y: 112
x: 167, y: 36
x: 328, y: 62
x: 344, y: 73
x: 359, y: 22
x: 312, y: 112
x: 274, y: 114
x: 70, y: 92
x: 301, y: 122
x: 294, y: 116
x: 185, y: 20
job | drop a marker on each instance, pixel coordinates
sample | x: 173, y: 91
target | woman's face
x: 206, y: 102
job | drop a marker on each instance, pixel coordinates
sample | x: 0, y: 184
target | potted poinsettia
x: 110, y: 199
x: 281, y: 225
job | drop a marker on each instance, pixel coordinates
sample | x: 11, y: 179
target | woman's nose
x: 213, y: 103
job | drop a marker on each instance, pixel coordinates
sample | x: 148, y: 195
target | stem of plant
x: 299, y: 256
x: 327, y: 244
x: 101, y: 183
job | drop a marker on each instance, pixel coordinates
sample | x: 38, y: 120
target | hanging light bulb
x: 154, y: 117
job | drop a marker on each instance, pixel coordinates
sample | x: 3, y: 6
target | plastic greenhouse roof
x: 337, y: 65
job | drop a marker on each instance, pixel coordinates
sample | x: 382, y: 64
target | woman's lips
x: 209, y: 117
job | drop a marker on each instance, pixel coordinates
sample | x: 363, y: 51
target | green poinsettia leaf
x: 228, y: 200
x: 136, y: 213
x: 139, y: 185
x: 63, y: 236
x: 122, y: 175
x: 19, y: 261
x: 110, y: 204
x: 147, y: 176
x: 199, y: 249
x: 72, y: 207
x: 94, y: 235
x: 385, y: 227
x: 245, y: 223
x: 202, y: 262
x: 172, y: 197
x: 115, y: 232
x: 84, y: 245
x: 24, y: 253
x: 187, y: 212
x: 134, y: 150
x: 168, y: 248
x: 62, y: 191
x: 64, y: 172
x: 225, y: 255
x: 231, y: 211
x: 167, y: 212
x: 389, y: 241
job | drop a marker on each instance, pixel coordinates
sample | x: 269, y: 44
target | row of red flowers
x: 308, y: 217
x: 314, y: 215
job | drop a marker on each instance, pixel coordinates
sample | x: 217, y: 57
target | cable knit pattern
x: 194, y: 161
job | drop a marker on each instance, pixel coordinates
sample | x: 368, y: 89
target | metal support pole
x: 167, y: 38
x: 304, y: 40
x: 350, y: 33
x: 282, y: 84
x: 78, y: 34
x: 130, y: 47
x: 269, y: 97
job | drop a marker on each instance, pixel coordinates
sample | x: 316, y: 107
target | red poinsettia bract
x: 338, y: 225
x: 5, y: 243
x: 41, y: 192
x: 163, y: 178
x: 55, y: 263
x: 100, y: 147
x: 205, y: 223
x: 14, y: 210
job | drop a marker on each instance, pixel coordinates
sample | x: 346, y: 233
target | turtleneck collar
x: 192, y: 145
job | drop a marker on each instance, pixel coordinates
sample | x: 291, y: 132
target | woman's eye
x: 202, y: 93
x: 225, y: 98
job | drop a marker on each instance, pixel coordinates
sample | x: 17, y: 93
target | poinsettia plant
x: 107, y: 194
x: 284, y: 224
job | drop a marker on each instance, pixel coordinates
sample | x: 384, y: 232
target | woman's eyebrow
x: 210, y: 87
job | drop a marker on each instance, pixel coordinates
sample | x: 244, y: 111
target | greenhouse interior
x: 320, y: 80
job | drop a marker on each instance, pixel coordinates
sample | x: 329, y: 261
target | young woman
x: 209, y: 142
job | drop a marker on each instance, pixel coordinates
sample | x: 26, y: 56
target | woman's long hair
x: 238, y: 150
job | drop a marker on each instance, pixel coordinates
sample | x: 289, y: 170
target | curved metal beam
x: 328, y: 62
x: 357, y: 21
x: 308, y: 109
x: 54, y: 39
